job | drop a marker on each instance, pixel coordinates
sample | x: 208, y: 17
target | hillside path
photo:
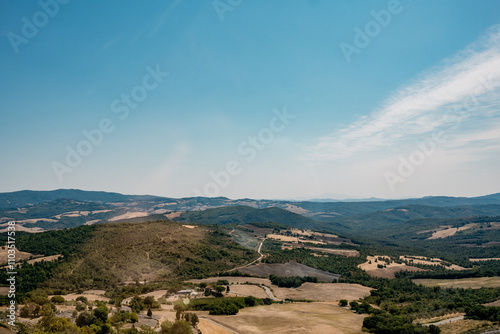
x: 269, y: 293
x: 254, y: 261
x: 447, y: 321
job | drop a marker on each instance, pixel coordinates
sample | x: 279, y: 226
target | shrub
x: 80, y: 307
x: 82, y: 299
x: 58, y: 299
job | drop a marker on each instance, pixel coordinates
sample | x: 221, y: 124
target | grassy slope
x: 117, y: 253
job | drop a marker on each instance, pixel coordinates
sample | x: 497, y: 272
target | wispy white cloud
x: 463, y: 88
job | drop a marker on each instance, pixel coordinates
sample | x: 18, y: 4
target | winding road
x: 447, y: 321
x: 269, y: 293
x: 254, y: 261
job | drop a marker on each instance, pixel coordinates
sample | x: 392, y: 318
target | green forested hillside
x: 52, y: 208
x: 392, y: 217
x: 124, y: 252
x: 242, y: 215
x: 30, y: 197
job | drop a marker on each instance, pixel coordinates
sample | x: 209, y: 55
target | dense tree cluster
x: 480, y: 312
x: 291, y: 281
x: 385, y: 323
x: 225, y: 306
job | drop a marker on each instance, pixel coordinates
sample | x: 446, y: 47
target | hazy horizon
x: 320, y: 197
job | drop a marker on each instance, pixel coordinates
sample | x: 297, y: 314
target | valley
x: 253, y: 269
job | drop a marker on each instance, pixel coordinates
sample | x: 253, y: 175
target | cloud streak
x: 465, y: 88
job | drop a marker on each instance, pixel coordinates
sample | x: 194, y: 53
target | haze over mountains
x: 27, y: 197
x: 315, y: 251
x: 44, y: 210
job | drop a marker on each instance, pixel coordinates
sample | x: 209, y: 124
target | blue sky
x: 251, y: 98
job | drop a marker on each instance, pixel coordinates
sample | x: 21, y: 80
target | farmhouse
x: 189, y: 292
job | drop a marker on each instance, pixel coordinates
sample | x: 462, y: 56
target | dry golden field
x: 463, y: 326
x: 388, y: 272
x: 328, y: 292
x: 208, y: 327
x: 472, y: 283
x: 296, y: 318
x: 243, y: 290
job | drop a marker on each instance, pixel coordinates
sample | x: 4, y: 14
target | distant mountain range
x: 29, y: 197
x: 42, y: 210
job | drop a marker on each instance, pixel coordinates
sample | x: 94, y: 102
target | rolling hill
x: 242, y: 215
x: 107, y: 255
x: 45, y: 210
x: 392, y: 217
x: 23, y: 198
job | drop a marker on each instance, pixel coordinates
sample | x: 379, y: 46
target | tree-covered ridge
x: 22, y: 198
x: 65, y: 242
x: 68, y: 243
x: 242, y: 215
x: 125, y: 252
x: 52, y: 208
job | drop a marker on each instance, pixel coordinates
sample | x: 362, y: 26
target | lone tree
x: 133, y: 317
x: 181, y: 327
x: 149, y: 300
x: 343, y: 302
x: 150, y: 314
x: 179, y: 308
x: 192, y: 318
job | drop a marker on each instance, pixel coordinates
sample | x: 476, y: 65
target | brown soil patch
x: 343, y: 252
x: 34, y: 220
x: 295, y: 209
x: 328, y: 292
x: 23, y: 228
x: 438, y: 319
x: 388, y: 272
x: 293, y: 239
x: 91, y: 222
x: 45, y: 258
x: 465, y: 283
x: 128, y: 215
x: 294, y: 319
x: 495, y: 303
x: 19, y: 255
x: 243, y: 290
x: 233, y: 280
x: 463, y: 326
x: 449, y: 231
x: 430, y: 262
x: 485, y: 259
x: 288, y: 269
x: 173, y: 214
x: 89, y: 296
x: 207, y: 327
